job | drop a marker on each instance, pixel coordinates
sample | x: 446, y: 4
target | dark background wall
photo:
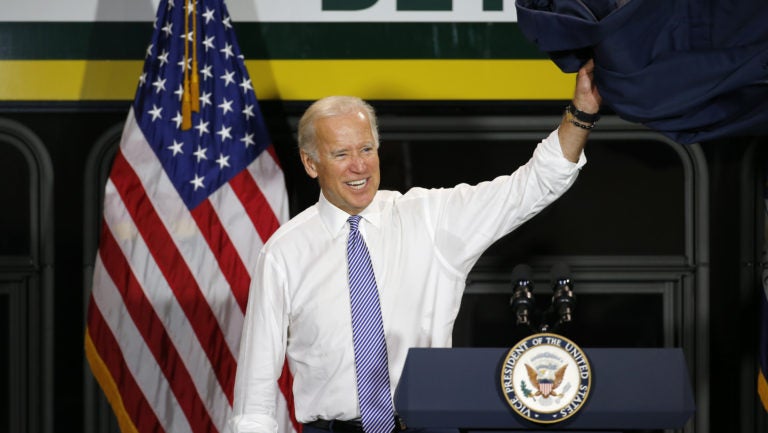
x: 629, y: 229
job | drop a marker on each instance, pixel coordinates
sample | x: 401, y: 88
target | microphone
x: 562, y: 292
x: 522, y: 299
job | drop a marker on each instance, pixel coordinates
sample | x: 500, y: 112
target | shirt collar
x: 335, y: 219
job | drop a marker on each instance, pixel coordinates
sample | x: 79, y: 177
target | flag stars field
x: 159, y: 85
x: 197, y: 182
x: 155, y: 112
x: 176, y: 148
x: 177, y: 119
x: 205, y: 99
x: 248, y: 111
x: 248, y: 140
x: 228, y: 78
x: 223, y: 161
x: 224, y: 133
x: 163, y: 58
x: 168, y: 29
x: 206, y: 71
x: 226, y: 106
x: 208, y: 43
x: 227, y: 50
x: 208, y: 15
x: 246, y: 85
x: 200, y: 153
x: 202, y: 127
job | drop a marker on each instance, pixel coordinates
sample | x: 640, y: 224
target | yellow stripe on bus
x: 104, y: 80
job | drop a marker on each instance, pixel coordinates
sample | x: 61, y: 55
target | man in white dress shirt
x: 422, y: 246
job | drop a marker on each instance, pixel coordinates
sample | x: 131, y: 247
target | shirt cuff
x: 551, y: 149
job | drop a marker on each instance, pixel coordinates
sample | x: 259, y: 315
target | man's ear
x: 309, y: 164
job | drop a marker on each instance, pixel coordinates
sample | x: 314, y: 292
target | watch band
x: 582, y: 116
x: 572, y: 120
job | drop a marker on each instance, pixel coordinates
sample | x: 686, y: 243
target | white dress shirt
x: 422, y: 243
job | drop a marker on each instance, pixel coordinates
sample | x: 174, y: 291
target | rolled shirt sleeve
x: 262, y: 352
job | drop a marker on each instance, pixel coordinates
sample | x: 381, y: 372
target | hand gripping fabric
x: 370, y: 347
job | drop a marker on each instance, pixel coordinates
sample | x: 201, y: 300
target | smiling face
x: 347, y: 165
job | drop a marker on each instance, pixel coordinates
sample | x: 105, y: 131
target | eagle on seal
x: 545, y: 381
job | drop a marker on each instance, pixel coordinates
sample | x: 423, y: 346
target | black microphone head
x: 560, y: 271
x: 562, y: 296
x: 522, y: 299
x: 521, y: 272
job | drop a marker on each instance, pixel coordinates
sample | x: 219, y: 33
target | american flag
x: 187, y: 207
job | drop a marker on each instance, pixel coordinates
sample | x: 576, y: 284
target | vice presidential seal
x: 546, y: 378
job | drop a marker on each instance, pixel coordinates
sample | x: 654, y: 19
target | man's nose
x: 357, y: 163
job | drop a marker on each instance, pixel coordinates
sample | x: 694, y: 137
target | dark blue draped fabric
x: 694, y: 70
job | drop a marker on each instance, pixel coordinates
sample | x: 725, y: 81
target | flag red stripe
x: 256, y: 205
x: 176, y: 272
x: 229, y: 260
x: 286, y: 387
x: 152, y: 330
x: 136, y: 406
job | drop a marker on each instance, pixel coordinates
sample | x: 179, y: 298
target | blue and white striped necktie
x: 376, y: 409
